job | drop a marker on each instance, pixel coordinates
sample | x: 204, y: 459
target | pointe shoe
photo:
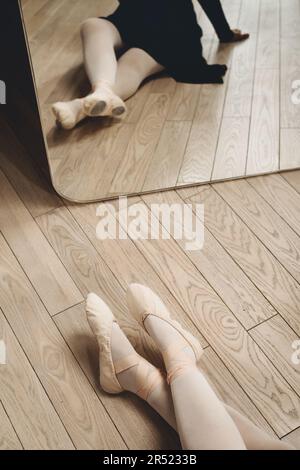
x: 101, y: 319
x: 104, y: 102
x: 143, y: 302
x: 64, y: 118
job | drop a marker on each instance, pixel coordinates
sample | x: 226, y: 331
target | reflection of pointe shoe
x: 104, y: 102
x: 68, y: 113
x: 101, y: 321
x: 143, y: 302
x: 64, y: 117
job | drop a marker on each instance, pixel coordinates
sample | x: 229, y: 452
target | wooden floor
x: 240, y: 296
x: 175, y: 134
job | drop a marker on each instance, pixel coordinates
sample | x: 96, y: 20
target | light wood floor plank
x: 289, y: 152
x: 46, y: 272
x: 290, y: 65
x: 290, y: 18
x: 231, y: 155
x: 127, y: 263
x: 294, y: 439
x: 89, y: 427
x: 8, y: 437
x: 168, y: 157
x: 198, y: 159
x: 128, y: 412
x: 28, y: 406
x: 268, y: 49
x: 222, y: 331
x: 293, y: 178
x: 249, y: 17
x: 276, y: 339
x: 222, y: 273
x: 268, y: 226
x: 281, y: 197
x: 263, y: 269
x: 263, y: 153
x: 240, y: 87
x: 183, y: 103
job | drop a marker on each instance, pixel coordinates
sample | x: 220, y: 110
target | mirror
x: 174, y: 134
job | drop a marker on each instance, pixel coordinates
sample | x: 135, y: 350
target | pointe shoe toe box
x: 142, y: 302
x: 100, y: 319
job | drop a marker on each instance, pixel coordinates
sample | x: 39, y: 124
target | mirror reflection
x: 145, y: 95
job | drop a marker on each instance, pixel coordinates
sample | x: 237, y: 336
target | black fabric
x: 169, y: 32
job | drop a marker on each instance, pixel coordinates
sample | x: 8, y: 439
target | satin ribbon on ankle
x: 147, y: 380
x: 184, y: 362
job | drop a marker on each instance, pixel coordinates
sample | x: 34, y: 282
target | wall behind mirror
x: 174, y: 134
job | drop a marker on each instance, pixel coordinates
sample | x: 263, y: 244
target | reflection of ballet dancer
x: 158, y: 35
x: 183, y: 397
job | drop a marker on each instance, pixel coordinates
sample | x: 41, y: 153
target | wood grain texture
x: 229, y: 391
x: 231, y: 155
x: 294, y: 439
x: 89, y: 427
x: 128, y: 264
x: 263, y: 153
x: 263, y: 269
x: 42, y: 266
x: 276, y: 339
x: 293, y: 178
x: 128, y: 412
x: 222, y: 273
x: 167, y: 159
x: 281, y: 197
x: 268, y: 48
x: 135, y: 163
x: 8, y: 437
x: 268, y: 226
x: 290, y: 64
x: 290, y: 144
x: 239, y: 95
x: 31, y: 413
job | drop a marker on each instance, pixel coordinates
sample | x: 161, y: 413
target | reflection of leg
x: 133, y: 68
x: 100, y: 39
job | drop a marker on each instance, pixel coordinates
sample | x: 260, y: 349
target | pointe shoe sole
x: 101, y: 319
x: 97, y: 110
x: 143, y: 302
x: 119, y: 111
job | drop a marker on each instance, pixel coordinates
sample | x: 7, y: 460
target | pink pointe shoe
x: 101, y: 319
x: 142, y: 302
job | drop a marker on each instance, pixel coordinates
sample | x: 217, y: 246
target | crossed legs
x: 188, y: 404
x: 112, y: 81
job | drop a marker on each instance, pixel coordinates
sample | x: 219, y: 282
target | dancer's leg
x: 203, y: 423
x: 254, y: 437
x: 100, y: 39
x: 133, y: 68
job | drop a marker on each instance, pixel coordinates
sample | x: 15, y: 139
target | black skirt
x: 168, y: 31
